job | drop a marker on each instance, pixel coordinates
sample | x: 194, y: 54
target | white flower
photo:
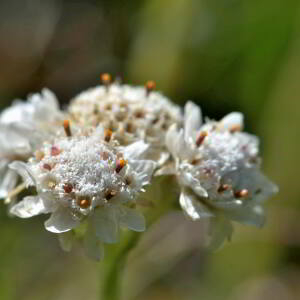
x: 23, y: 126
x: 132, y: 113
x: 80, y: 179
x: 218, y: 168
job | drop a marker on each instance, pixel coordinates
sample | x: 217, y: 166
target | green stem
x: 115, y: 265
x: 115, y: 259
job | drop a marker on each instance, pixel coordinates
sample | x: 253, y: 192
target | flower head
x: 131, y: 113
x: 218, y: 168
x: 80, y: 179
x: 23, y: 127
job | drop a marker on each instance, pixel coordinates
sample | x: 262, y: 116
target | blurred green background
x: 223, y: 54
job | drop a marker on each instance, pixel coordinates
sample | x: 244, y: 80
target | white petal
x: 14, y: 140
x: 30, y: 206
x: 193, y: 207
x: 61, y: 221
x: 24, y: 172
x: 192, y: 119
x: 171, y: 139
x: 66, y: 240
x: 50, y: 99
x: 251, y: 215
x: 92, y: 247
x: 49, y: 201
x: 189, y: 180
x: 8, y: 182
x: 38, y: 107
x: 132, y: 219
x: 232, y: 120
x: 228, y: 204
x: 13, y: 113
x: 144, y: 170
x: 135, y: 150
x: 105, y: 225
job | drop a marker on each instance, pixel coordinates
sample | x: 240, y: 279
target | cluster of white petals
x: 86, y: 179
x: 23, y: 127
x: 88, y: 165
x: 218, y: 168
x: 132, y: 113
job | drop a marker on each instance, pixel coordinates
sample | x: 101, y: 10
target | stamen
x: 150, y: 86
x: 47, y: 167
x: 84, y: 203
x: 67, y: 128
x: 199, y: 140
x: 139, y: 114
x: 120, y: 164
x: 223, y: 188
x: 107, y: 135
x: 110, y: 194
x: 68, y: 188
x: 104, y: 155
x: 241, y: 193
x: 106, y: 79
x: 129, y: 127
x: 235, y: 128
x: 55, y: 151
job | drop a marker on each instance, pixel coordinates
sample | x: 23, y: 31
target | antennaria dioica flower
x: 90, y: 164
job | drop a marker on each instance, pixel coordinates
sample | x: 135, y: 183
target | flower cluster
x: 23, y: 127
x: 89, y: 163
x: 131, y: 113
x: 218, y: 168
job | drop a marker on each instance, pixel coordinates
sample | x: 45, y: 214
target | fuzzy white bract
x: 83, y: 179
x: 23, y: 127
x: 218, y: 168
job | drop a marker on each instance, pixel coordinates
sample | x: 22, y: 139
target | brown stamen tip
x: 55, y: 151
x: 241, y: 193
x: 235, y: 128
x: 106, y: 79
x: 107, y: 135
x: 39, y: 155
x: 200, y: 138
x: 110, y: 194
x: 129, y: 127
x: 104, y: 155
x: 223, y: 188
x: 67, y: 128
x: 150, y: 86
x: 120, y: 164
x: 68, y: 188
x: 84, y: 203
x: 139, y: 114
x: 47, y: 167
